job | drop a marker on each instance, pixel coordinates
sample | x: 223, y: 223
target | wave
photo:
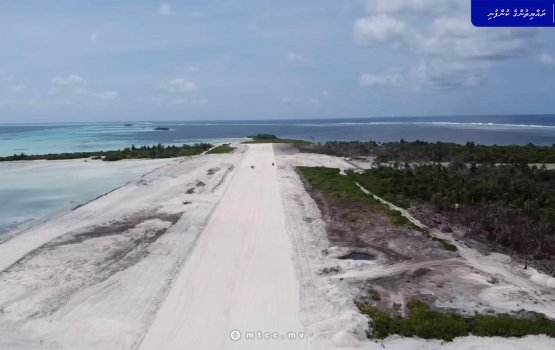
x: 346, y: 124
x: 474, y: 124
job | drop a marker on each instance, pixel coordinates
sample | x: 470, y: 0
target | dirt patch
x: 114, y: 228
x: 212, y: 171
x: 444, y: 222
x: 358, y: 256
x: 406, y: 264
x: 284, y: 149
x: 358, y: 225
x: 65, y: 265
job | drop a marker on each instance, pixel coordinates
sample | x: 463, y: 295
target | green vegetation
x: 268, y: 138
x: 145, y: 152
x: 225, y: 148
x: 375, y: 295
x: 333, y: 183
x: 513, y: 205
x: 420, y: 151
x: 340, y: 186
x: 425, y: 323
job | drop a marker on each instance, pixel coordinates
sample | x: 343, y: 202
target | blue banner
x: 513, y: 13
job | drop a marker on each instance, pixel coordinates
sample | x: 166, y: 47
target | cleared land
x: 94, y: 277
x: 240, y: 276
x: 205, y: 245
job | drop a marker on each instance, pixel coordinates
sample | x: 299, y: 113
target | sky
x: 111, y: 60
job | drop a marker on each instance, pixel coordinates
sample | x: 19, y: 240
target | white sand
x: 245, y: 255
x: 240, y: 276
x: 84, y: 295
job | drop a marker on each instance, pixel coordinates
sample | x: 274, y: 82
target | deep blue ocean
x: 72, y: 137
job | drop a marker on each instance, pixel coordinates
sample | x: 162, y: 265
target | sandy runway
x: 239, y: 281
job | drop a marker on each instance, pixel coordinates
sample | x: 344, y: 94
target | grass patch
x: 425, y: 323
x: 333, y: 183
x: 446, y: 245
x: 375, y: 295
x: 398, y: 219
x: 225, y: 148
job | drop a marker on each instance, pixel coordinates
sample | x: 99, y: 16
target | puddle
x: 358, y: 256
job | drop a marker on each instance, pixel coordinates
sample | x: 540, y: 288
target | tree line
x: 439, y: 152
x: 512, y: 205
x: 144, y: 152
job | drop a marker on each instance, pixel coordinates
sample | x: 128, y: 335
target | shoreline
x: 62, y: 162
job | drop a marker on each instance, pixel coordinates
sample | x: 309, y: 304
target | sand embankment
x: 94, y: 277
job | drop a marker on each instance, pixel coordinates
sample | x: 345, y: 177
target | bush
x: 113, y: 157
x: 429, y: 324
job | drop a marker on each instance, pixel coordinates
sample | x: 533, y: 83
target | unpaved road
x: 240, y: 276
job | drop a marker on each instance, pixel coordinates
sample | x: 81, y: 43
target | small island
x: 161, y: 128
x: 144, y: 152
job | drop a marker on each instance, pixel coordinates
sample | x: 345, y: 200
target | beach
x: 218, y: 251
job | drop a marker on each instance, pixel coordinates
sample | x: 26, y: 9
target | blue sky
x: 260, y: 59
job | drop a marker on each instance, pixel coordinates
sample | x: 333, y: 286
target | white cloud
x: 285, y: 100
x: 294, y: 57
x: 179, y: 92
x: 178, y: 85
x: 379, y: 80
x: 547, y: 59
x: 454, y: 37
x: 94, y: 39
x: 18, y: 88
x: 106, y: 95
x: 437, y: 34
x: 165, y: 9
x: 379, y: 29
x: 70, y: 80
x: 444, y: 75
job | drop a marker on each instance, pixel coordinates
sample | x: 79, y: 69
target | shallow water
x: 33, y: 191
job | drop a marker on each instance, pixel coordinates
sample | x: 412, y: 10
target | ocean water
x: 33, y: 191
x: 55, y: 138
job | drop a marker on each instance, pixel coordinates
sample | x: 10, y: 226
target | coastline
x: 108, y: 177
